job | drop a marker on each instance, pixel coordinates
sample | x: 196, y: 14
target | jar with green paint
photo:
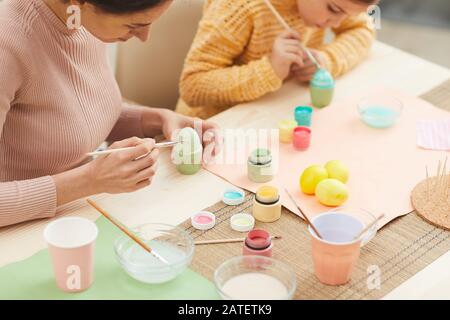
x: 260, y: 166
x: 322, y: 88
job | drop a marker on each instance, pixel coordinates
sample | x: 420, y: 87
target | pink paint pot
x: 301, y: 138
x: 203, y: 220
x: 71, y: 244
x: 258, y: 242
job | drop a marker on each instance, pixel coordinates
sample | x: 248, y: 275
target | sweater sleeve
x: 351, y: 45
x: 128, y: 125
x: 211, y: 76
x: 27, y: 199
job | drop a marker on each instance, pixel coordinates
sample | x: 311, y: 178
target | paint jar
x: 336, y: 254
x: 233, y: 196
x: 203, y: 220
x: 187, y: 156
x: 242, y: 222
x: 259, y: 166
x: 255, y: 278
x: 302, y: 138
x: 321, y: 88
x: 267, y: 204
x: 303, y: 115
x: 286, y: 128
x: 258, y: 243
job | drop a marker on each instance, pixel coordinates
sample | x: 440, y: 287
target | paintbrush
x: 287, y: 27
x: 127, y: 232
x: 304, y: 215
x: 370, y: 225
x: 109, y: 151
x: 234, y: 240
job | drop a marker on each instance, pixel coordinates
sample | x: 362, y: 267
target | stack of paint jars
x: 298, y: 131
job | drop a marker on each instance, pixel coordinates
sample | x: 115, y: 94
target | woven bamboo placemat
x: 401, y: 249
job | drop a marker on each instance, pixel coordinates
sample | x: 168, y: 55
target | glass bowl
x: 172, y: 243
x: 255, y: 278
x: 380, y: 112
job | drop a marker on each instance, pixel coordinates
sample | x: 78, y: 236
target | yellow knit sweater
x: 228, y: 61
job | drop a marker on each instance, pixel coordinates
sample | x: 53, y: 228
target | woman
x: 59, y: 100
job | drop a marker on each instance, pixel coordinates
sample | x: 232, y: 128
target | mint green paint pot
x: 259, y: 166
x: 187, y: 156
x: 321, y: 88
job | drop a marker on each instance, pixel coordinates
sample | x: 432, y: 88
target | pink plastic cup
x: 71, y: 244
x: 336, y: 255
x: 301, y: 138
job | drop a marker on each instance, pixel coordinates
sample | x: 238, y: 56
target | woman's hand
x: 124, y: 171
x: 306, y: 72
x: 170, y: 123
x: 127, y: 170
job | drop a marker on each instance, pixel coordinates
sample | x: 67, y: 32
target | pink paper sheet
x: 385, y: 164
x: 434, y: 134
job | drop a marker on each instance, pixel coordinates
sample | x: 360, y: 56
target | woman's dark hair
x: 124, y: 6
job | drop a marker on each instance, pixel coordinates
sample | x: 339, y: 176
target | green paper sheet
x: 33, y: 278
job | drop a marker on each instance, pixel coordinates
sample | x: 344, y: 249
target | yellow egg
x: 311, y: 177
x: 331, y: 192
x: 337, y: 170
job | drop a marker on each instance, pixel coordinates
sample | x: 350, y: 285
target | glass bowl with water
x: 379, y: 111
x: 255, y: 278
x: 172, y: 243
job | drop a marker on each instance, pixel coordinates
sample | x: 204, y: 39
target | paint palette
x: 172, y: 243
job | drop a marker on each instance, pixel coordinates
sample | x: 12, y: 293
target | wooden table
x: 172, y: 198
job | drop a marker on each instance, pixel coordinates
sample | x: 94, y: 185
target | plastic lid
x: 260, y: 156
x: 242, y: 222
x: 203, y: 220
x: 322, y: 79
x: 233, y: 196
x: 258, y: 239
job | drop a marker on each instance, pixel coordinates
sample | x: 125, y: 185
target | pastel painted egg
x: 311, y: 177
x: 337, y: 170
x: 331, y: 192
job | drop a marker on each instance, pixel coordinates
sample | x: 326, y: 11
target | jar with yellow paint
x: 267, y: 204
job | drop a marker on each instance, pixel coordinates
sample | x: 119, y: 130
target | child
x: 241, y: 51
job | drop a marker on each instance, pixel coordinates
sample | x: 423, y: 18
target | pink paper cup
x: 71, y: 243
x: 301, y: 138
x: 335, y: 255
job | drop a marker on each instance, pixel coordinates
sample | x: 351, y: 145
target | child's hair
x: 123, y: 6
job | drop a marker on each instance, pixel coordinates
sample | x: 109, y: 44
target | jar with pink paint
x: 301, y: 138
x: 258, y: 242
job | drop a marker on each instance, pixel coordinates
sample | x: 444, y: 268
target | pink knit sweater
x: 58, y: 101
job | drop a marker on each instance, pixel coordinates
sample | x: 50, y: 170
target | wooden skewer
x: 428, y: 183
x: 287, y: 27
x: 109, y: 151
x: 304, y: 215
x: 127, y: 232
x: 370, y: 225
x: 219, y: 241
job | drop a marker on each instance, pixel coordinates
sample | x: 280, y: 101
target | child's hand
x: 306, y: 72
x: 286, y: 52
